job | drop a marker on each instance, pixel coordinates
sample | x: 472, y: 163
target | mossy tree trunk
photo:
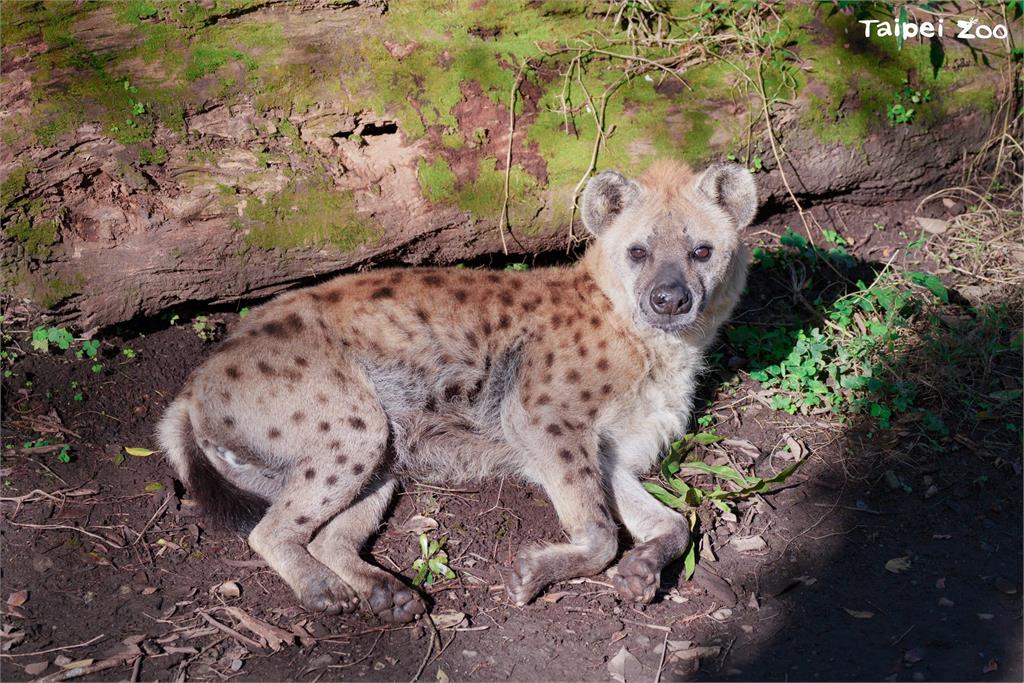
x: 157, y: 154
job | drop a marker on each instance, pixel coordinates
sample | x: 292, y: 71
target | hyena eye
x: 702, y: 253
x: 637, y: 253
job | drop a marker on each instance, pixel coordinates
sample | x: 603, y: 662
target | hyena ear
x: 732, y: 188
x: 606, y: 195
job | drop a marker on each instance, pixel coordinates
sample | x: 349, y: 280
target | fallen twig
x: 249, y: 642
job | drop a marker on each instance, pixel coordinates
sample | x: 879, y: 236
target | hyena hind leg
x: 318, y: 488
x: 572, y: 481
x: 338, y: 545
x: 661, y: 536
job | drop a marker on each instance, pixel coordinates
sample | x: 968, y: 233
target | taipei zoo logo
x: 966, y: 29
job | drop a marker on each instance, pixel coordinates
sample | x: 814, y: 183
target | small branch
x: 69, y: 528
x: 55, y: 649
x: 508, y: 154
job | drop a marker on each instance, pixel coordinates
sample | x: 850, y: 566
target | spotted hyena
x: 572, y: 378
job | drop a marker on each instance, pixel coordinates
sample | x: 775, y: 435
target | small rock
x: 1005, y: 586
x: 321, y: 662
x: 946, y: 602
x: 36, y: 668
x: 469, y: 653
x: 721, y: 614
x: 935, y: 226
x: 42, y: 564
x: 748, y: 544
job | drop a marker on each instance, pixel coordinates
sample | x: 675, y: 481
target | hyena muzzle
x: 574, y: 379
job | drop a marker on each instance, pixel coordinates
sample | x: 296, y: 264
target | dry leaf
x: 624, y: 667
x: 78, y: 663
x: 794, y: 450
x: 898, y: 564
x: 418, y: 524
x: 10, y: 638
x: 552, y: 598
x: 275, y: 637
x: 442, y: 677
x: 859, y: 614
x: 138, y: 452
x: 448, y: 620
x: 742, y: 446
x: 17, y: 598
x: 229, y: 589
x: 682, y: 650
x: 935, y: 226
x: 36, y: 668
x: 748, y: 544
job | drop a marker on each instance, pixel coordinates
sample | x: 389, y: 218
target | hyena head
x: 669, y: 242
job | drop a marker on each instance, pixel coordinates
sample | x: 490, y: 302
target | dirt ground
x: 873, y: 567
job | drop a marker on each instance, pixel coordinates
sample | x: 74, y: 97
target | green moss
x: 27, y: 20
x: 157, y: 156
x: 36, y: 235
x: 56, y: 291
x: 452, y: 139
x: 861, y: 79
x: 206, y: 59
x: 483, y: 197
x: 13, y: 186
x: 436, y: 179
x: 457, y: 44
x: 310, y: 216
x: 289, y: 130
x: 134, y: 11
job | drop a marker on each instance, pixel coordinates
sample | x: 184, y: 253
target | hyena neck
x: 610, y: 283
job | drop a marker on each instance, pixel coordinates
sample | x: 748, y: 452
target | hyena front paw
x: 638, y: 575
x: 526, y: 579
x: 392, y: 602
x: 326, y: 592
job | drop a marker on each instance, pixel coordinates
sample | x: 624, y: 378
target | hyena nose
x: 671, y: 299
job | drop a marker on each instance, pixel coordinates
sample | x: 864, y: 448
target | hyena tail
x: 225, y: 503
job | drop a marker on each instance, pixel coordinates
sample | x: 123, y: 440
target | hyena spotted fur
x: 573, y: 378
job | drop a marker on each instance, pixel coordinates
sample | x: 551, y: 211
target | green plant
x: 206, y: 329
x: 63, y: 454
x: 42, y: 337
x: 128, y: 353
x: 686, y: 497
x: 432, y: 564
x: 900, y: 111
x: 90, y: 347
